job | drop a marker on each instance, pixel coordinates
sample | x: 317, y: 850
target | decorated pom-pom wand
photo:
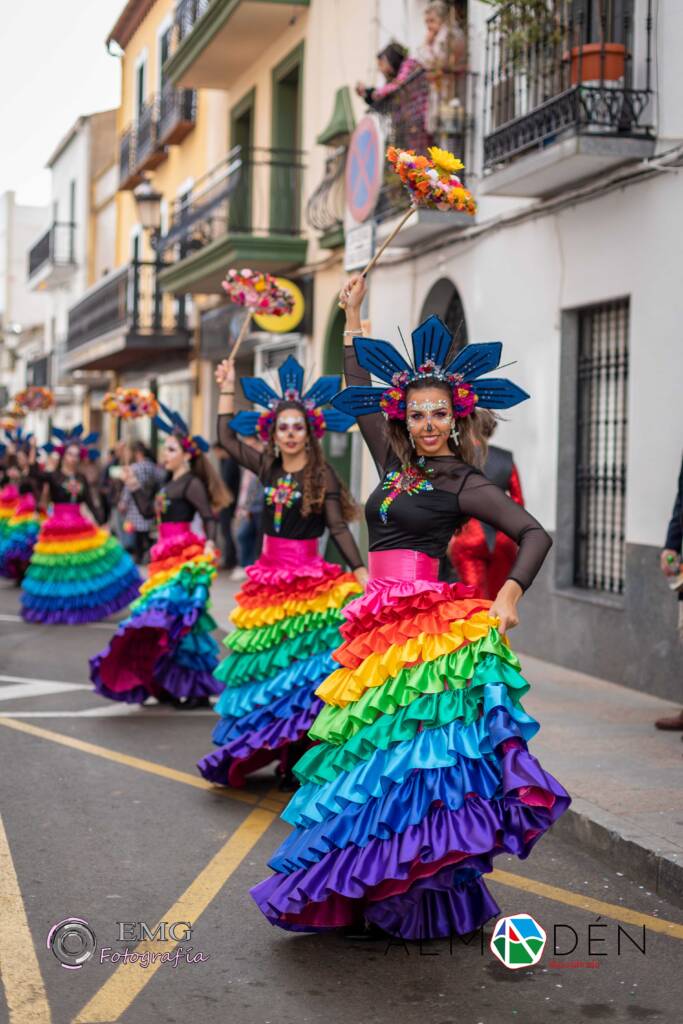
x: 257, y: 293
x: 432, y: 183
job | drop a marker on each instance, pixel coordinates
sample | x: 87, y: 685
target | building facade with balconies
x: 574, y: 154
x: 71, y: 254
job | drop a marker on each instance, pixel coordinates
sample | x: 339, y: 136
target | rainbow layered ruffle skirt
x: 421, y: 773
x: 165, y: 646
x: 9, y: 499
x: 287, y: 620
x: 19, y: 537
x: 77, y: 573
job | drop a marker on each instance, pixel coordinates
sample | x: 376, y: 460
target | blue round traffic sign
x: 364, y: 168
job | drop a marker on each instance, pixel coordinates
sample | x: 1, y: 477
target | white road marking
x: 116, y: 711
x: 35, y: 688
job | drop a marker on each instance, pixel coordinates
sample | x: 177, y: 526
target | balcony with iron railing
x: 429, y: 109
x: 163, y: 120
x: 325, y: 207
x: 125, y: 319
x: 246, y: 210
x: 215, y: 41
x: 567, y: 93
x: 52, y: 259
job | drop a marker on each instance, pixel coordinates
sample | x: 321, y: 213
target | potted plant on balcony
x: 601, y: 61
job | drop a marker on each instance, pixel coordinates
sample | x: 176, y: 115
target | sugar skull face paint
x: 290, y: 431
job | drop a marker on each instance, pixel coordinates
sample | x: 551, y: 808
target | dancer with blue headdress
x: 19, y: 519
x: 164, y: 649
x: 290, y: 608
x: 421, y: 774
x: 78, y: 572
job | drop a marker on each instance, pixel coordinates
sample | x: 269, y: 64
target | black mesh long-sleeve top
x: 283, y: 494
x: 177, y: 501
x: 67, y: 489
x: 419, y: 511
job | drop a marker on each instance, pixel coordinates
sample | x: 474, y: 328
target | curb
x: 623, y: 845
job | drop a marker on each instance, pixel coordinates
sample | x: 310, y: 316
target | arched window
x: 444, y: 300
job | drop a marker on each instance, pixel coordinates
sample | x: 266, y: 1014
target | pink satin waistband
x: 65, y: 508
x: 403, y: 564
x: 167, y: 530
x: 288, y: 552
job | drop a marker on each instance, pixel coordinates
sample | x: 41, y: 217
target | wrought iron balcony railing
x: 565, y: 66
x: 250, y: 192
x: 187, y: 14
x: 176, y: 114
x: 146, y: 131
x: 127, y: 300
x: 54, y: 248
x: 429, y: 109
x: 325, y: 208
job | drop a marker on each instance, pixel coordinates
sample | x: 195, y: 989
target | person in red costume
x: 481, y: 555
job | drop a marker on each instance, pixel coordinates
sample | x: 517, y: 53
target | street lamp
x: 148, y: 202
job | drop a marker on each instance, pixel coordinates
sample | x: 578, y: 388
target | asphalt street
x: 104, y: 818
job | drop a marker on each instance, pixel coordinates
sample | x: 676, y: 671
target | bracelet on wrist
x: 354, y: 334
x: 228, y: 392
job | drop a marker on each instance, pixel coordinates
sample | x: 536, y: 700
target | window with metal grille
x: 602, y: 417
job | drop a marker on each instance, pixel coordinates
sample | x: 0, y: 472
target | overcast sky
x: 54, y: 66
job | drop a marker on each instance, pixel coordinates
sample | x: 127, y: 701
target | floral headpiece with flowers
x: 431, y: 345
x: 174, y: 424
x: 66, y: 438
x: 130, y: 403
x: 291, y: 375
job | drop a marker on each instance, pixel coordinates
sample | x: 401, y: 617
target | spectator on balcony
x: 443, y: 54
x: 403, y: 97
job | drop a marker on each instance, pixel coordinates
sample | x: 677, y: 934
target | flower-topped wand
x: 130, y: 403
x: 433, y: 184
x: 257, y: 293
x: 34, y: 399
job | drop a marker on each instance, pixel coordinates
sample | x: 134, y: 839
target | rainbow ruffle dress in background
x: 77, y: 573
x: 165, y: 646
x: 421, y: 775
x: 18, y: 538
x: 287, y: 620
x: 9, y: 499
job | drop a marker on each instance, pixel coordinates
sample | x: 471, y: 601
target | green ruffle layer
x: 324, y: 762
x: 77, y: 564
x: 262, y: 637
x: 256, y: 666
x: 449, y: 672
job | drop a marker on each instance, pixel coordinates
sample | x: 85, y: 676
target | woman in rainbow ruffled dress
x: 78, y: 572
x: 164, y: 649
x: 290, y: 608
x: 421, y: 775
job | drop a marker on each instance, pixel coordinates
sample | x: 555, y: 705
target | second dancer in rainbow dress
x: 290, y: 609
x: 164, y: 649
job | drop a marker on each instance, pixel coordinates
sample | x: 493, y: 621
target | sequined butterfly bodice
x: 280, y: 496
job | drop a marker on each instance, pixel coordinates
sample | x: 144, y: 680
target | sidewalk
x: 598, y: 739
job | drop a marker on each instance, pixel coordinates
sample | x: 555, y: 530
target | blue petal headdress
x: 291, y: 375
x: 431, y: 344
x: 18, y: 438
x: 175, y: 424
x: 75, y: 436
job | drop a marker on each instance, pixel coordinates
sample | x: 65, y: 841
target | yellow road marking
x: 19, y: 969
x: 133, y: 762
x: 116, y: 995
x: 575, y: 899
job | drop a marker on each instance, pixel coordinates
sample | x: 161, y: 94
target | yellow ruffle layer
x: 160, y: 578
x: 348, y: 684
x: 251, y: 618
x: 66, y: 547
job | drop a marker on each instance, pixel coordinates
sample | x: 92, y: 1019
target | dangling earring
x: 455, y: 434
x: 276, y: 449
x: 412, y: 439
